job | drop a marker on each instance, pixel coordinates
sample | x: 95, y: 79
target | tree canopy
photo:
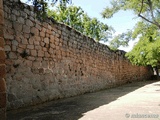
x: 147, y: 50
x: 148, y: 10
x: 147, y: 30
x: 79, y: 20
x: 41, y: 6
x: 74, y: 17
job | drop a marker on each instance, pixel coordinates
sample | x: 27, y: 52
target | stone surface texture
x: 49, y: 60
x: 2, y: 66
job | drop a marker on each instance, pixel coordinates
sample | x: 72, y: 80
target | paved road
x: 134, y: 101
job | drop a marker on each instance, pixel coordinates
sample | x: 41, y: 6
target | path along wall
x: 49, y: 60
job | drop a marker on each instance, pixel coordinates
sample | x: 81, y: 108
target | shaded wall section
x: 49, y: 60
x: 2, y: 67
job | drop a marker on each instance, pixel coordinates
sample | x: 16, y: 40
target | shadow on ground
x: 73, y: 108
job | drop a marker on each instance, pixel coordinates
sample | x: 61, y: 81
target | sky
x: 120, y: 21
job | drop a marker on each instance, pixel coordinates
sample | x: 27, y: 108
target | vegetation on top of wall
x: 73, y: 16
x: 40, y: 6
x: 79, y: 20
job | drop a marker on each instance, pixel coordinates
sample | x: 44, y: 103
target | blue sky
x: 120, y: 21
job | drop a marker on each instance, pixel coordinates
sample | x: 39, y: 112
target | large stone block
x: 37, y: 38
x: 2, y: 71
x: 14, y: 48
x: 31, y: 40
x: 30, y: 47
x: 38, y: 27
x: 21, y: 20
x: 1, y: 4
x: 1, y: 31
x: 47, y: 54
x: 8, y: 23
x: 12, y: 55
x: 8, y: 35
x: 11, y: 97
x: 7, y: 48
x: 15, y: 43
x: 17, y: 26
x: 37, y: 47
x: 2, y: 111
x: 35, y: 31
x: 2, y: 42
x: 2, y: 100
x: 28, y: 63
x: 29, y: 23
x: 16, y: 12
x: 26, y: 29
x: 42, y: 34
x: 13, y: 17
x: 36, y: 42
x: 46, y: 40
x: 2, y: 57
x: 2, y: 85
x: 52, y: 39
x: 33, y: 52
x: 1, y: 16
x: 41, y: 53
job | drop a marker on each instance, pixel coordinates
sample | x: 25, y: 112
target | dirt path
x: 134, y: 101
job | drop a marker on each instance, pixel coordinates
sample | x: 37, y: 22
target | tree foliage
x: 41, y: 6
x: 148, y: 10
x: 147, y: 50
x: 120, y: 40
x: 79, y: 20
x: 72, y: 16
x: 147, y: 30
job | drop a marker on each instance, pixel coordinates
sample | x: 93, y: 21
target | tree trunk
x: 157, y: 72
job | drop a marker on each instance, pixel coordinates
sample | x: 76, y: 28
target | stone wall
x: 49, y: 60
x: 2, y: 67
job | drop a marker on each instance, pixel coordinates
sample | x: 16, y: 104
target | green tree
x: 148, y: 10
x: 120, y: 40
x: 147, y: 50
x: 94, y: 28
x: 71, y: 16
x: 74, y: 17
x: 147, y: 30
x: 41, y: 6
x: 77, y: 19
